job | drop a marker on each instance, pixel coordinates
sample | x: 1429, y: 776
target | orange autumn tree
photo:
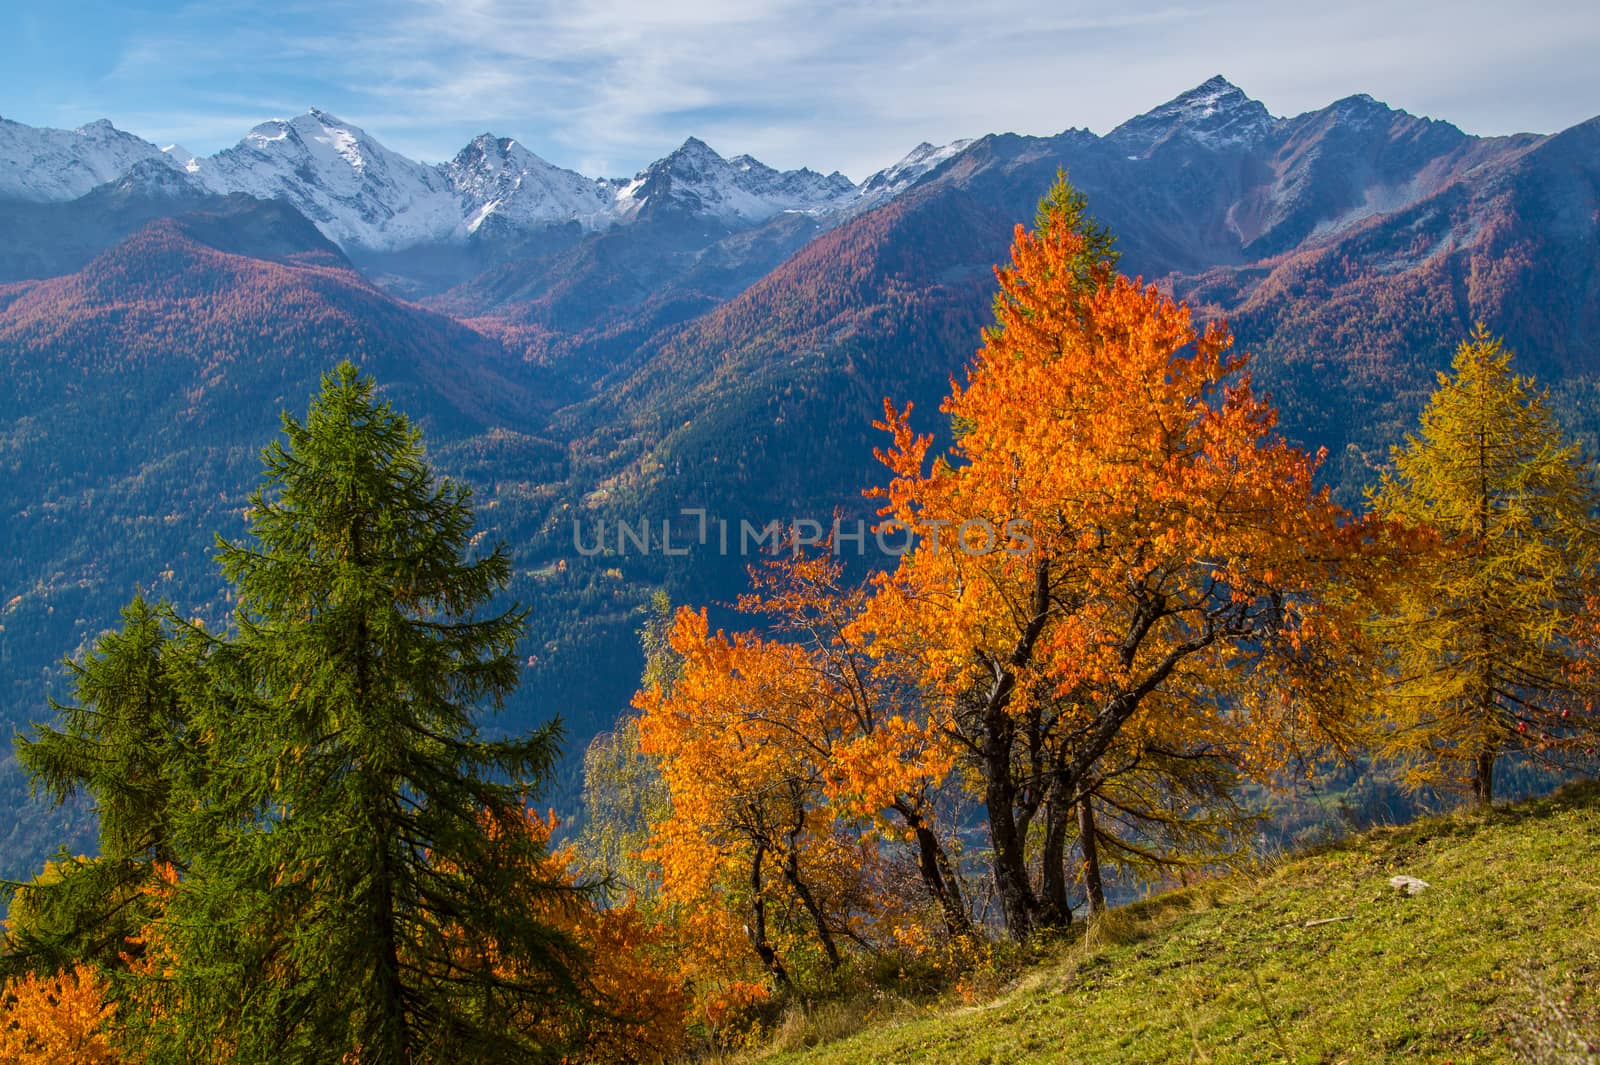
x: 630, y: 1002
x: 880, y: 763
x: 1172, y: 539
x: 636, y: 999
x: 802, y: 778
x: 749, y: 834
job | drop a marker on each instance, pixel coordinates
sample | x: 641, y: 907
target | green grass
x: 1228, y: 971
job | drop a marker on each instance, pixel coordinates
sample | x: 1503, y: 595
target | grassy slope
x: 1228, y: 971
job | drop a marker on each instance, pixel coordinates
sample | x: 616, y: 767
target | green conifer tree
x: 361, y: 873
x: 121, y: 745
x: 1066, y: 205
x: 1480, y: 640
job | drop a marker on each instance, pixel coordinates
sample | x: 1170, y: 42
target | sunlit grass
x: 1239, y: 970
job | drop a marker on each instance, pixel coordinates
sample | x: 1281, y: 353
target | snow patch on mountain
x: 1215, y: 114
x: 891, y: 181
x: 182, y: 157
x: 156, y: 178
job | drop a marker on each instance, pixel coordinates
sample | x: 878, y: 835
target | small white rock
x: 1409, y: 884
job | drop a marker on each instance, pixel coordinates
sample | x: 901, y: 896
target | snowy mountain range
x: 53, y: 165
x: 369, y: 199
x: 365, y: 197
x: 1209, y: 177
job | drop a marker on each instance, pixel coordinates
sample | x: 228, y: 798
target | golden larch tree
x: 1116, y: 538
x: 1486, y: 639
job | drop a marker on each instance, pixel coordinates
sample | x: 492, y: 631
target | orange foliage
x: 1171, y: 537
x: 637, y: 997
x: 795, y: 767
x: 1167, y: 520
x: 1117, y: 558
x: 733, y: 742
x: 56, y: 1020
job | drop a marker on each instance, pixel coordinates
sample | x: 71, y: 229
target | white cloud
x: 837, y: 83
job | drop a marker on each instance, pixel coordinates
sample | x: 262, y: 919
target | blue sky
x: 605, y: 86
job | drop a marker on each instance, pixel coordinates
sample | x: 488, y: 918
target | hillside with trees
x: 152, y: 331
x: 1124, y: 614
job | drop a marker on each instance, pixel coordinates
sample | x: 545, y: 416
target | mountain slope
x: 1317, y: 959
x: 44, y: 240
x: 778, y: 387
x: 1402, y: 232
x: 1349, y: 330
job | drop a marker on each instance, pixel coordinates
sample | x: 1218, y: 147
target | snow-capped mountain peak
x: 1360, y: 111
x: 1216, y: 114
x: 696, y: 151
x: 496, y: 178
x: 160, y: 178
x: 695, y: 180
x: 891, y: 181
x: 358, y: 192
x: 337, y: 149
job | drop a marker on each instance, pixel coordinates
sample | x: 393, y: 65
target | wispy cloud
x: 607, y: 85
x: 778, y: 78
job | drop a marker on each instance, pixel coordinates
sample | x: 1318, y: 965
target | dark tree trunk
x: 957, y: 920
x: 388, y: 1036
x: 1483, y: 764
x: 1089, y: 844
x: 1018, y: 905
x: 390, y: 1005
x: 1008, y: 825
x: 791, y: 873
x: 1056, y: 911
x: 758, y: 920
x: 938, y: 877
x: 1483, y: 778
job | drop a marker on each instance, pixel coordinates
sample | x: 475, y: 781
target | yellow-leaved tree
x: 1488, y: 632
x: 56, y: 1020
